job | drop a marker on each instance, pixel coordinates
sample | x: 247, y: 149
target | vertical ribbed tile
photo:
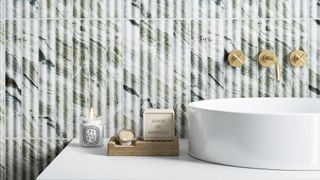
x: 272, y: 9
x: 132, y: 9
x: 131, y: 75
x: 165, y: 9
x: 13, y: 79
x: 282, y: 37
x: 267, y: 38
x: 314, y: 57
x: 2, y: 82
x: 56, y: 79
x: 100, y: 9
x: 26, y: 158
x: 2, y: 159
x: 21, y: 8
x: 299, y: 41
x: 47, y: 80
x: 114, y: 77
x: 98, y: 59
x: 89, y: 9
x: 212, y: 76
x: 2, y: 9
x: 223, y: 9
x: 288, y: 9
x: 61, y: 51
x: 199, y: 60
x: 106, y: 72
x: 21, y: 78
x: 81, y: 68
x: 165, y: 67
x: 314, y: 7
x: 55, y: 8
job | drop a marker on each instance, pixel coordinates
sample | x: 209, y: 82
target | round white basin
x: 270, y: 133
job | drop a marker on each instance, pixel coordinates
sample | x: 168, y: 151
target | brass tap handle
x: 298, y: 58
x: 236, y: 58
x: 267, y: 59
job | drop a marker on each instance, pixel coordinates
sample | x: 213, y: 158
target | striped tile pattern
x: 26, y: 158
x: 123, y: 56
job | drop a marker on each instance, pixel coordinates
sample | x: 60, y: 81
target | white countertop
x: 77, y: 162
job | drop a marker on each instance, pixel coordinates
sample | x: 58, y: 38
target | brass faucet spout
x: 267, y: 59
x: 277, y: 70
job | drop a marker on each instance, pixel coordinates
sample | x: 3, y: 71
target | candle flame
x: 91, y: 113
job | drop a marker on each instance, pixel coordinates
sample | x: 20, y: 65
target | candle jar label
x: 91, y: 135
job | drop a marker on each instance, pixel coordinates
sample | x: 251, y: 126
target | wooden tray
x: 144, y: 148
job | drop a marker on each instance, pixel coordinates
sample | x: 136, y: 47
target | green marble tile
x: 165, y: 67
x: 282, y: 37
x: 313, y: 36
x: 2, y: 159
x: 164, y: 8
x: 26, y: 158
x: 224, y: 9
x: 211, y: 74
x: 21, y: 8
x: 2, y: 82
x: 21, y: 78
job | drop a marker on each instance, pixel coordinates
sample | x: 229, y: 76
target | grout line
x: 187, y: 18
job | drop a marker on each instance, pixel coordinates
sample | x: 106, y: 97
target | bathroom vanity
x: 79, y: 163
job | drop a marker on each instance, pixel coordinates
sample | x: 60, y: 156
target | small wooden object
x: 140, y: 147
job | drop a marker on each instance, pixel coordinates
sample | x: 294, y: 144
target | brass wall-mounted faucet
x: 236, y: 58
x: 267, y: 58
x: 298, y: 58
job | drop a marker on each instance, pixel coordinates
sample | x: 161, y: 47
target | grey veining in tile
x: 72, y: 9
x: 224, y: 9
x: 55, y: 76
x: 26, y: 158
x: 61, y: 57
x: 211, y: 75
x: 282, y: 37
x: 154, y: 68
x: 22, y: 8
x: 2, y: 159
x: 289, y: 9
x: 21, y: 77
x: 314, y: 56
x: 56, y: 8
x: 165, y: 8
x: 2, y: 82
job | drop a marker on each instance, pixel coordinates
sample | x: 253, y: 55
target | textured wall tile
x: 314, y: 57
x: 224, y: 9
x: 21, y: 8
x: 2, y: 159
x: 211, y: 75
x: 105, y: 9
x: 26, y: 158
x: 55, y: 78
x: 253, y: 9
x: 99, y: 81
x: 2, y: 9
x: 164, y: 67
x: 282, y: 37
x: 165, y: 8
x: 21, y: 77
x: 55, y: 9
x: 2, y: 82
x: 289, y: 9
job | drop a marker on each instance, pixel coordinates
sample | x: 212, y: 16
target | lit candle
x: 91, y: 130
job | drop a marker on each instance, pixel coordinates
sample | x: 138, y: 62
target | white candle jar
x: 91, y: 132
